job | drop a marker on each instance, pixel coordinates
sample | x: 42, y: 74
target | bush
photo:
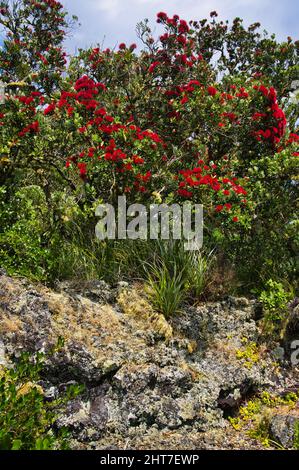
x: 275, y: 299
x: 172, y: 123
x: 26, y: 418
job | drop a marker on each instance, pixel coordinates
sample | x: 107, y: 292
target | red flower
x: 183, y: 27
x: 242, y: 93
x: 219, y: 208
x: 236, y: 219
x: 258, y: 116
x: 42, y: 58
x: 182, y: 40
x: 212, y: 91
x: 128, y: 167
x: 49, y: 109
x: 122, y: 46
x: 162, y: 16
x: 153, y: 66
x: 184, y: 193
x: 293, y: 138
x: 138, y: 160
x: 83, y: 169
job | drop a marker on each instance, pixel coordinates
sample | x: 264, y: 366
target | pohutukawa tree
x: 202, y: 113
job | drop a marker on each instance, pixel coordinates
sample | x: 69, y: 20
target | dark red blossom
x: 49, y: 109
x: 153, y: 66
x: 162, y: 16
x: 185, y: 193
x: 212, y: 91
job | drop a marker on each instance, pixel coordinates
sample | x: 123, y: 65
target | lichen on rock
x: 149, y: 382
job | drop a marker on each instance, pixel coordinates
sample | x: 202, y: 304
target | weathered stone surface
x: 149, y: 383
x: 283, y: 428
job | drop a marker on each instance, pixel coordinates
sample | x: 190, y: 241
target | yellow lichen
x: 249, y: 354
x: 137, y: 306
x: 28, y: 387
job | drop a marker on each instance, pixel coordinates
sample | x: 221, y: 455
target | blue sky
x: 113, y: 21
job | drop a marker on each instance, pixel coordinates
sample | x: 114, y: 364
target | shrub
x: 174, y: 122
x: 275, y: 300
x: 26, y: 418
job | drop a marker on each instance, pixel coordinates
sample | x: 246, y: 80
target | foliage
x: 26, y: 417
x: 202, y: 113
x: 254, y: 416
x: 174, y: 275
x: 275, y: 299
x: 199, y: 268
x: 166, y: 289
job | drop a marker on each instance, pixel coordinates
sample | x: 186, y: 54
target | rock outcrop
x: 150, y: 384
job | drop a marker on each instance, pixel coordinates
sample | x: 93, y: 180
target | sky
x: 110, y: 22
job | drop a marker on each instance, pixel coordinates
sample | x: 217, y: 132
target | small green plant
x: 254, y: 416
x: 26, y: 418
x: 175, y: 274
x: 275, y: 300
x: 166, y: 289
x: 199, y: 265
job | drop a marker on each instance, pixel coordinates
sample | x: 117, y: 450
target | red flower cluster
x: 181, y: 25
x: 49, y: 109
x: 86, y: 91
x: 293, y: 138
x: 42, y: 58
x: 276, y: 131
x: 162, y: 16
x: 153, y: 66
x: 34, y: 127
x: 203, y: 176
x: 242, y: 93
x: 212, y: 91
x: 49, y: 3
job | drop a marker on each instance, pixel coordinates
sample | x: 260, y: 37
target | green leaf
x: 17, y: 444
